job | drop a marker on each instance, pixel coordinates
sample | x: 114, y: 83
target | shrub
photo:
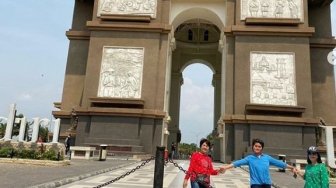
x: 5, y: 152
x: 26, y: 154
x: 51, y: 155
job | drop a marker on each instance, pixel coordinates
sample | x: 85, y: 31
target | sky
x: 33, y: 54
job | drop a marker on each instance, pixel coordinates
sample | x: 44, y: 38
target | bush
x: 51, y: 154
x: 6, y: 152
x: 26, y: 154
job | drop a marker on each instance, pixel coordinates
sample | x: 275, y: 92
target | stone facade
x: 269, y: 59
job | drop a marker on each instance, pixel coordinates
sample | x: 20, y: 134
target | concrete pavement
x: 89, y: 173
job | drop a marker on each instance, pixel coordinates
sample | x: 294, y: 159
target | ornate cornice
x: 322, y: 43
x: 269, y: 31
x: 271, y: 120
x: 152, y: 27
x: 78, y: 35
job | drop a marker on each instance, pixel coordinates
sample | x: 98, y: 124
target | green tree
x: 2, y: 129
x: 187, y: 149
x: 43, y: 133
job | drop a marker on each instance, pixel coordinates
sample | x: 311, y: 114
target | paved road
x: 23, y: 175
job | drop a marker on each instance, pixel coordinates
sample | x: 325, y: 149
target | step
x: 113, y: 141
x: 117, y: 147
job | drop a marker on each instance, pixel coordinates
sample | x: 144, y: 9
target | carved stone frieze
x: 127, y: 7
x: 121, y: 72
x: 273, y: 78
x: 272, y: 9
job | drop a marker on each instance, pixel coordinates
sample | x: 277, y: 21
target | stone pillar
x: 221, y: 136
x: 221, y: 124
x: 57, y: 123
x: 177, y: 80
x: 22, y: 129
x: 165, y: 126
x: 10, y: 122
x: 36, y: 126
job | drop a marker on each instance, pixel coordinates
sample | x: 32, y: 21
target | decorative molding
x: 110, y: 17
x: 150, y: 27
x: 273, y: 21
x: 270, y: 120
x: 322, y: 43
x: 78, y: 35
x: 116, y: 103
x: 118, y: 112
x: 127, y: 7
x: 276, y: 110
x: 272, y: 9
x: 272, y: 78
x: 121, y: 72
x: 236, y: 30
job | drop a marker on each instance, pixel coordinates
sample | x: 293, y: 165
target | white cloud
x: 25, y: 97
x: 197, y: 109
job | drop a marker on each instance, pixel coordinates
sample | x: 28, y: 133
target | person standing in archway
x: 173, y: 150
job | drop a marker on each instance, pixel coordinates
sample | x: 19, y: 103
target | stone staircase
x: 118, y: 147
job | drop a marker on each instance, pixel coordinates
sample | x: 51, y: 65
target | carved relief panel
x: 272, y: 9
x: 273, y: 78
x: 121, y: 72
x: 128, y: 7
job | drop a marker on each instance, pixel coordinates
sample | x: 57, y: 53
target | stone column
x: 22, y: 129
x: 166, y: 122
x: 10, y: 122
x: 57, y: 123
x: 177, y: 80
x: 36, y: 126
x: 221, y: 124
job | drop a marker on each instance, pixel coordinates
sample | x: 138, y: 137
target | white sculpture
x: 36, y: 126
x: 272, y: 78
x: 272, y: 9
x: 22, y: 129
x: 57, y: 123
x: 127, y: 7
x: 121, y: 72
x: 10, y: 122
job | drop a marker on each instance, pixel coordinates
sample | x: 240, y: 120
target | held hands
x: 295, y: 172
x: 221, y: 170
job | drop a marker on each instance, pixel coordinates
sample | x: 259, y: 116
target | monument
x: 271, y: 76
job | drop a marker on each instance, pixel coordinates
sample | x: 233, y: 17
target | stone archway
x: 196, y: 38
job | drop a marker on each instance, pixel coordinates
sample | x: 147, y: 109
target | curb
x: 35, y: 162
x: 65, y: 181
